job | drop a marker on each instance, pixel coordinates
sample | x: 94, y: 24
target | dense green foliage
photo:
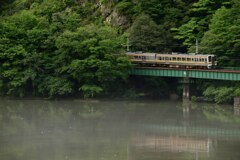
x: 57, y: 48
x: 223, y: 36
x: 200, y: 15
x: 146, y: 35
x: 218, y: 91
x: 50, y: 51
x: 219, y: 94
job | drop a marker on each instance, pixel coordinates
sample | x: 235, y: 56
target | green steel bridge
x: 217, y: 74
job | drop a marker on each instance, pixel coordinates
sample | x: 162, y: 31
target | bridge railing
x: 229, y: 68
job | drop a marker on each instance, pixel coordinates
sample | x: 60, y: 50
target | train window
x: 183, y: 59
x: 192, y: 59
x: 209, y: 59
x: 188, y: 59
x: 170, y: 58
x: 179, y: 59
x: 174, y: 58
x: 166, y: 58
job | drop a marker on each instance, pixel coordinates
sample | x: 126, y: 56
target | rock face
x: 111, y: 15
x: 105, y: 8
x: 116, y: 20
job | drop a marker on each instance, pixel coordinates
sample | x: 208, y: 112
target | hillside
x: 57, y: 48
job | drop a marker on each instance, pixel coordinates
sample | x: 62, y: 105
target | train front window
x: 209, y: 59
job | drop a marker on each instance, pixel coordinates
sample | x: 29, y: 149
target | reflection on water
x: 75, y: 130
x: 160, y: 143
x: 237, y: 111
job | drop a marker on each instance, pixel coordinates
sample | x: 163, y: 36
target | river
x: 118, y: 130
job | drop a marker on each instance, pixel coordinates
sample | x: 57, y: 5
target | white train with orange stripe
x: 175, y: 60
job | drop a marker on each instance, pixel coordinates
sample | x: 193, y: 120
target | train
x: 174, y: 60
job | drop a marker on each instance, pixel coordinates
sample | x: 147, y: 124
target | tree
x: 200, y: 15
x: 4, y: 2
x: 146, y: 35
x: 89, y: 56
x: 48, y: 54
x: 167, y: 15
x: 16, y: 53
x: 223, y: 37
x: 219, y: 94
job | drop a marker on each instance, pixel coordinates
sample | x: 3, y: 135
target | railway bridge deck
x: 187, y: 74
x: 216, y: 74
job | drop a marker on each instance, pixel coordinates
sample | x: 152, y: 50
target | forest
x: 68, y: 48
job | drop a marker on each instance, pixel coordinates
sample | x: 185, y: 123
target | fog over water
x: 118, y: 130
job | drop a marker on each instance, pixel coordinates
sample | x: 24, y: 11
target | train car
x: 174, y: 60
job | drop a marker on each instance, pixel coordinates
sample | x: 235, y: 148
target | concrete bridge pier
x: 186, y: 90
x: 237, y: 102
x: 237, y: 106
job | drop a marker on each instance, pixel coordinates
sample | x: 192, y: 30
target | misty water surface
x: 118, y: 130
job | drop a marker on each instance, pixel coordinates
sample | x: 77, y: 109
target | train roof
x: 167, y: 54
x: 139, y: 53
x: 187, y: 55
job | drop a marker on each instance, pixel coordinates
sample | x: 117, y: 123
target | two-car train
x: 174, y: 60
